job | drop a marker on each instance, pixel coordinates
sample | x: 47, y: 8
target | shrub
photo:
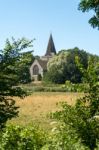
x: 80, y: 87
x: 21, y: 138
x: 82, y: 119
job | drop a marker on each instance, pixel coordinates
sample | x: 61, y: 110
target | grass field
x: 36, y: 107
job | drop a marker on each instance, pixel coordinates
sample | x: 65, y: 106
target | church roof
x: 43, y: 63
x: 50, y: 47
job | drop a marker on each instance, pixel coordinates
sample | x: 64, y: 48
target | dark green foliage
x: 72, y: 71
x: 83, y: 118
x: 8, y: 110
x: 87, y: 5
x: 54, y: 75
x: 10, y: 59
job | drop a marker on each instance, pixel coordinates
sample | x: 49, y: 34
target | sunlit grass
x: 36, y: 107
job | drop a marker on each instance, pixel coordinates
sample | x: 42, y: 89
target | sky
x: 38, y: 18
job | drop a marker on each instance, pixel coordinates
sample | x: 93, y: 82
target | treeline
x: 63, y: 66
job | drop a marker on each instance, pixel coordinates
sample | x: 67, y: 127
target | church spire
x: 50, y: 47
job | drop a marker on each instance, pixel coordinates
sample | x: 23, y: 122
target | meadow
x: 35, y: 109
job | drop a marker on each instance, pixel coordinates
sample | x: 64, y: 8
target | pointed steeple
x: 50, y: 47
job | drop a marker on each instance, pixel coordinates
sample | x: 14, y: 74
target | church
x: 39, y: 66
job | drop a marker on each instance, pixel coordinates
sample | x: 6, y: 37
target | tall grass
x: 36, y: 107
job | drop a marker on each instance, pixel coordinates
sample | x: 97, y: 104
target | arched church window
x: 35, y: 70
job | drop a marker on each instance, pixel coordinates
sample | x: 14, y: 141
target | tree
x: 87, y: 5
x: 24, y: 65
x: 83, y: 118
x: 10, y: 58
x: 62, y: 67
x: 72, y: 71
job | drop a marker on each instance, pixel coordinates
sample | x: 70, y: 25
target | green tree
x: 26, y: 60
x: 83, y: 118
x: 62, y: 67
x: 72, y: 71
x: 10, y: 58
x: 87, y: 5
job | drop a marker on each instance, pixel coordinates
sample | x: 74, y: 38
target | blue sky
x: 38, y: 18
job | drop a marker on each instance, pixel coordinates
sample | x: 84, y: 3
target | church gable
x: 43, y: 63
x: 36, y: 69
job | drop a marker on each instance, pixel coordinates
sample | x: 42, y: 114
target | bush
x: 82, y: 119
x: 21, y: 138
x: 33, y: 138
x: 60, y: 138
x: 71, y: 87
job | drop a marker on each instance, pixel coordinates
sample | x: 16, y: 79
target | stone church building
x: 39, y: 65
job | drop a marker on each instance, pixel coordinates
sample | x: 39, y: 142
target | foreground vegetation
x: 33, y: 138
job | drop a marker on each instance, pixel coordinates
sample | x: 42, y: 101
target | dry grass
x: 35, y: 108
